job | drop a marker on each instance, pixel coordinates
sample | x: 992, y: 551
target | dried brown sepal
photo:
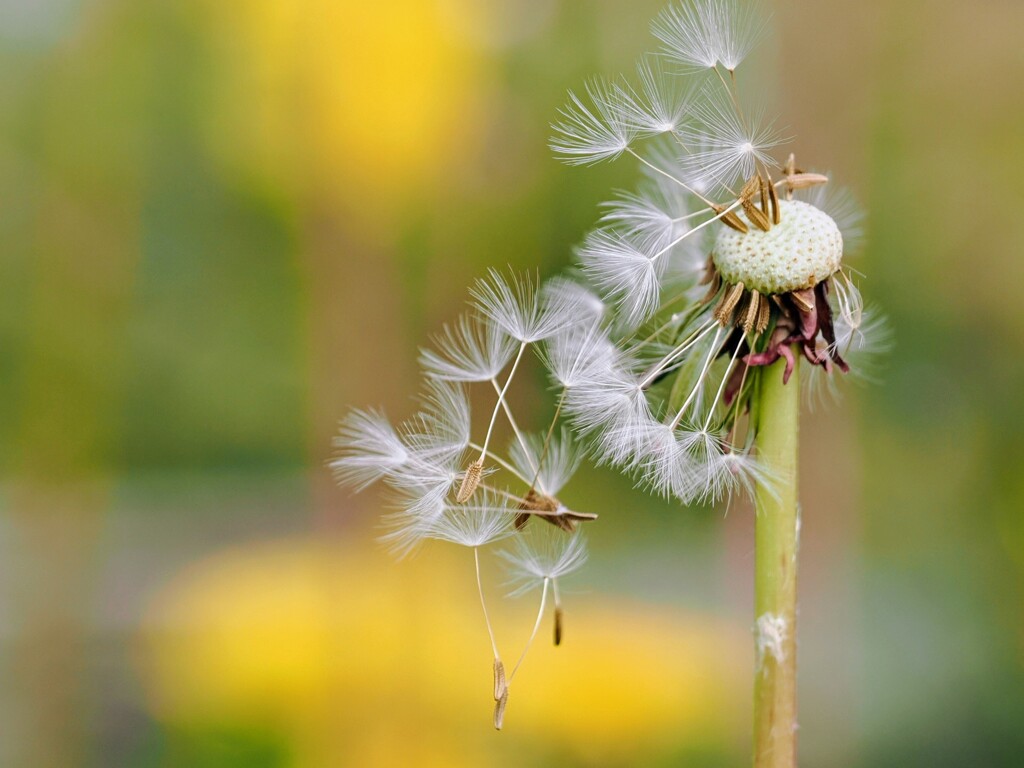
x: 753, y: 311
x: 558, y: 626
x: 470, y: 481
x: 764, y: 314
x: 710, y: 271
x: 764, y: 184
x: 499, y: 710
x: 730, y: 219
x: 714, y: 287
x: 789, y: 169
x: 757, y: 216
x: 500, y: 684
x: 804, y: 299
x: 723, y: 312
x: 773, y: 199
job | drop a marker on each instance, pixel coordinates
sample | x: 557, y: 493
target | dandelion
x: 368, y: 449
x: 708, y: 33
x: 674, y: 347
x: 699, y: 400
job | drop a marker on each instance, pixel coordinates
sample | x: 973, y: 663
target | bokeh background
x: 224, y: 222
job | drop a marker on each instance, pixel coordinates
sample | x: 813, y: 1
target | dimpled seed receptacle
x: 803, y: 249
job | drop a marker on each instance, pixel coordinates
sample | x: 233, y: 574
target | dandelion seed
x: 574, y: 300
x: 500, y: 684
x: 499, y: 710
x: 442, y: 428
x: 561, y: 455
x: 704, y: 33
x: 575, y: 357
x: 626, y: 274
x: 483, y: 521
x: 470, y: 481
x: 690, y: 32
x: 368, y: 449
x: 540, y: 554
x: 471, y: 350
x: 518, y: 308
x: 600, y: 131
x: 728, y: 146
x: 661, y: 102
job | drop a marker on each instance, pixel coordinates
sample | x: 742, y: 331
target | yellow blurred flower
x: 360, y: 101
x: 352, y: 657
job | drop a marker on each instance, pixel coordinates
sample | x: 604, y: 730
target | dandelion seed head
x: 805, y: 248
x: 839, y: 203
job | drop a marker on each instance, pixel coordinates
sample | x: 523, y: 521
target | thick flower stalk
x: 673, y: 348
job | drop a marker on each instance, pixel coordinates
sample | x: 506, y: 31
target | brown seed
x: 500, y: 684
x: 723, y: 312
x: 764, y: 314
x: 750, y: 187
x: 764, y: 184
x: 805, y: 180
x: 753, y: 310
x: 558, y: 626
x: 757, y: 216
x: 730, y: 219
x: 499, y: 710
x: 538, y: 502
x: 773, y: 198
x: 470, y: 481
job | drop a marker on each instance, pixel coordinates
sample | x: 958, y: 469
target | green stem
x: 775, y: 572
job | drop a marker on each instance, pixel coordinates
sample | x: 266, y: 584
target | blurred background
x: 224, y: 223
